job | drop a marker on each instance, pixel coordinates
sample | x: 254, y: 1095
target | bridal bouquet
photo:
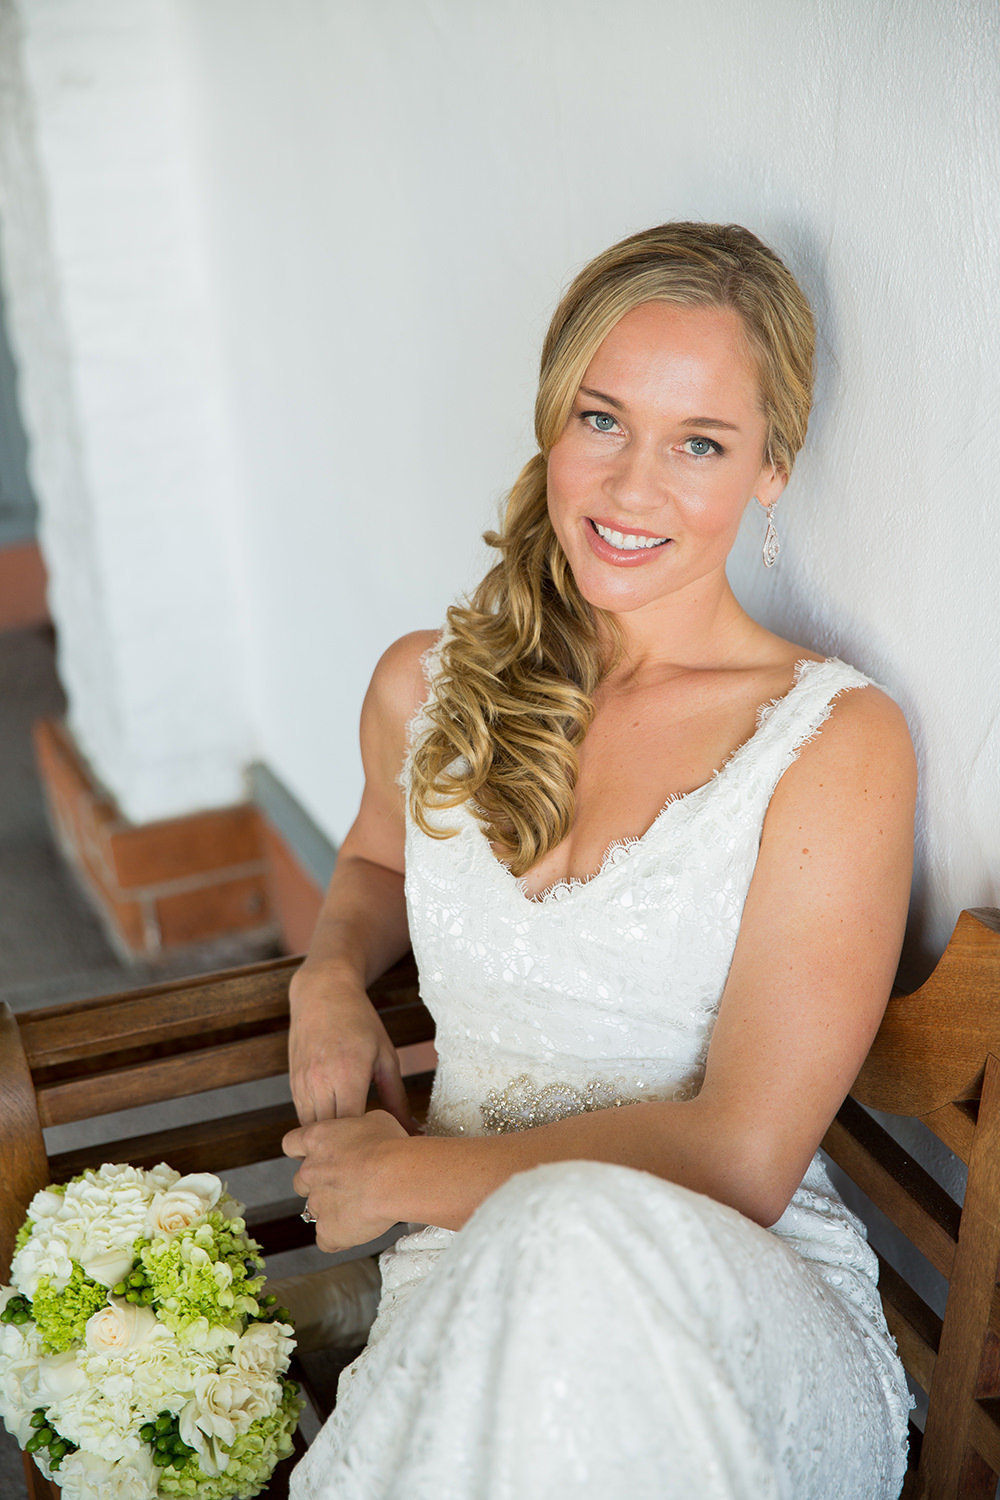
x: 137, y: 1356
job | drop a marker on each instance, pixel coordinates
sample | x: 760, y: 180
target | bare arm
x: 338, y: 1046
x: 811, y: 974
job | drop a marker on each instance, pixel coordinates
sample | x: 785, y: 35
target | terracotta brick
x: 217, y: 907
x: 124, y: 867
x: 22, y: 587
x: 295, y: 896
x: 179, y: 848
x: 129, y: 921
x: 80, y: 810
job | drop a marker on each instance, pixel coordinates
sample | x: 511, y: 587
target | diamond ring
x: 307, y: 1216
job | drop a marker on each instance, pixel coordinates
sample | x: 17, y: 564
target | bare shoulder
x: 862, y: 751
x: 398, y: 678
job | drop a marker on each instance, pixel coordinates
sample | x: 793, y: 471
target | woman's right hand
x: 338, y: 1048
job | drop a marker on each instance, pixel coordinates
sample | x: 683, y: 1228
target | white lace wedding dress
x: 595, y: 1331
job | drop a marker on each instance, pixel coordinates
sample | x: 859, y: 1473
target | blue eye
x: 700, y: 447
x: 599, y: 421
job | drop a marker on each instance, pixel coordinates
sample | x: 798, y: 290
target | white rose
x: 20, y: 1352
x: 190, y: 1199
x: 118, y: 1326
x: 108, y: 1266
x: 59, y: 1376
x: 223, y: 1406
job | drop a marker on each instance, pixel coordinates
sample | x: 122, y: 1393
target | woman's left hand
x: 340, y: 1173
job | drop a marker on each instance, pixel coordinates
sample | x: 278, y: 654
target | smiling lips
x: 623, y: 546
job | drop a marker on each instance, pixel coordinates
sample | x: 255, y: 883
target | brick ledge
x: 157, y: 887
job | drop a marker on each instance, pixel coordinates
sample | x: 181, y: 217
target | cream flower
x: 118, y: 1326
x: 84, y: 1476
x: 264, y: 1349
x: 190, y: 1199
x: 59, y: 1376
x: 108, y: 1266
x: 20, y: 1352
x: 44, y: 1254
x: 44, y: 1205
x: 222, y: 1408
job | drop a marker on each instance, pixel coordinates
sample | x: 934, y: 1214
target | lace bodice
x: 602, y: 990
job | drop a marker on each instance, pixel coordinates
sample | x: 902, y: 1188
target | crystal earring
x: 771, y: 547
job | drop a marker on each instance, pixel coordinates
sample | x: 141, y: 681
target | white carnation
x: 44, y: 1253
x: 264, y: 1349
x: 85, y: 1476
x: 101, y: 1418
x: 44, y: 1205
x: 189, y: 1199
x: 161, y: 1177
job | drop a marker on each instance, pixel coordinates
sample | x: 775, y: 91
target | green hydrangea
x: 252, y: 1457
x: 209, y: 1271
x: 23, y: 1235
x: 61, y: 1316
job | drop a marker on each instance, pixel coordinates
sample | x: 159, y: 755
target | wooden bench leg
x: 949, y: 1468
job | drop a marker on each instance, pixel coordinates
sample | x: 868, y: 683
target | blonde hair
x: 522, y: 658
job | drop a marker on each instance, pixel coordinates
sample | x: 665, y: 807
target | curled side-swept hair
x: 521, y: 660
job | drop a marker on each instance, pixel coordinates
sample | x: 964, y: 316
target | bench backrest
x: 936, y: 1057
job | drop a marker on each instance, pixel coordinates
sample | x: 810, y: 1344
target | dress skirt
x: 595, y: 1331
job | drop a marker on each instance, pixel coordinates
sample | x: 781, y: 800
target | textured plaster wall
x: 396, y: 194
x: 122, y: 396
x: 276, y: 281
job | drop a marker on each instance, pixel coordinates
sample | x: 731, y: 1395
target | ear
x: 771, y: 482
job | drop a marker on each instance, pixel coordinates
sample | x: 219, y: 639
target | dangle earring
x: 771, y: 547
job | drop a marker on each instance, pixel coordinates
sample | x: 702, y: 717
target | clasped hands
x: 341, y: 1173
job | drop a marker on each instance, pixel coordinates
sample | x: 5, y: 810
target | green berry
x: 147, y: 1432
x: 163, y: 1422
x: 38, y: 1417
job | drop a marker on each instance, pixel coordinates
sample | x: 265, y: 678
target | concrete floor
x: 52, y: 947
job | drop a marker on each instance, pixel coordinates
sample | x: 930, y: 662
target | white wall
x: 123, y: 398
x: 396, y: 195
x: 364, y: 213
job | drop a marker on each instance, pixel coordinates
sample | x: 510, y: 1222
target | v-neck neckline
x: 620, y: 849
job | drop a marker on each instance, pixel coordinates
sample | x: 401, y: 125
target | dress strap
x: 787, y: 724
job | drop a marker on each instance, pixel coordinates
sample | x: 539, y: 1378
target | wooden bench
x: 936, y: 1057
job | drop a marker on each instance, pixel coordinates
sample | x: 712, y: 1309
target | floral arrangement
x: 137, y: 1356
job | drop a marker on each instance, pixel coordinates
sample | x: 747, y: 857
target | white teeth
x: 626, y: 542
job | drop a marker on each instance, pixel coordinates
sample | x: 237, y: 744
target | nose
x: 637, y: 482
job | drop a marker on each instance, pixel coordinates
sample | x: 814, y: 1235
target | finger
x: 392, y: 1092
x: 293, y: 1144
x: 352, y: 1099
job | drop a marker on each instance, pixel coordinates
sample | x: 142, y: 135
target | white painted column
x: 131, y: 455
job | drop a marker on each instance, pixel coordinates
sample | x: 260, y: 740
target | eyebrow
x: 715, y: 422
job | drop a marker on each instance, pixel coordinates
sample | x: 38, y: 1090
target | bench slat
x: 215, y: 1144
x: 895, y: 1183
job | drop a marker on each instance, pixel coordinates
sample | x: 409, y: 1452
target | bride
x: 654, y: 863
